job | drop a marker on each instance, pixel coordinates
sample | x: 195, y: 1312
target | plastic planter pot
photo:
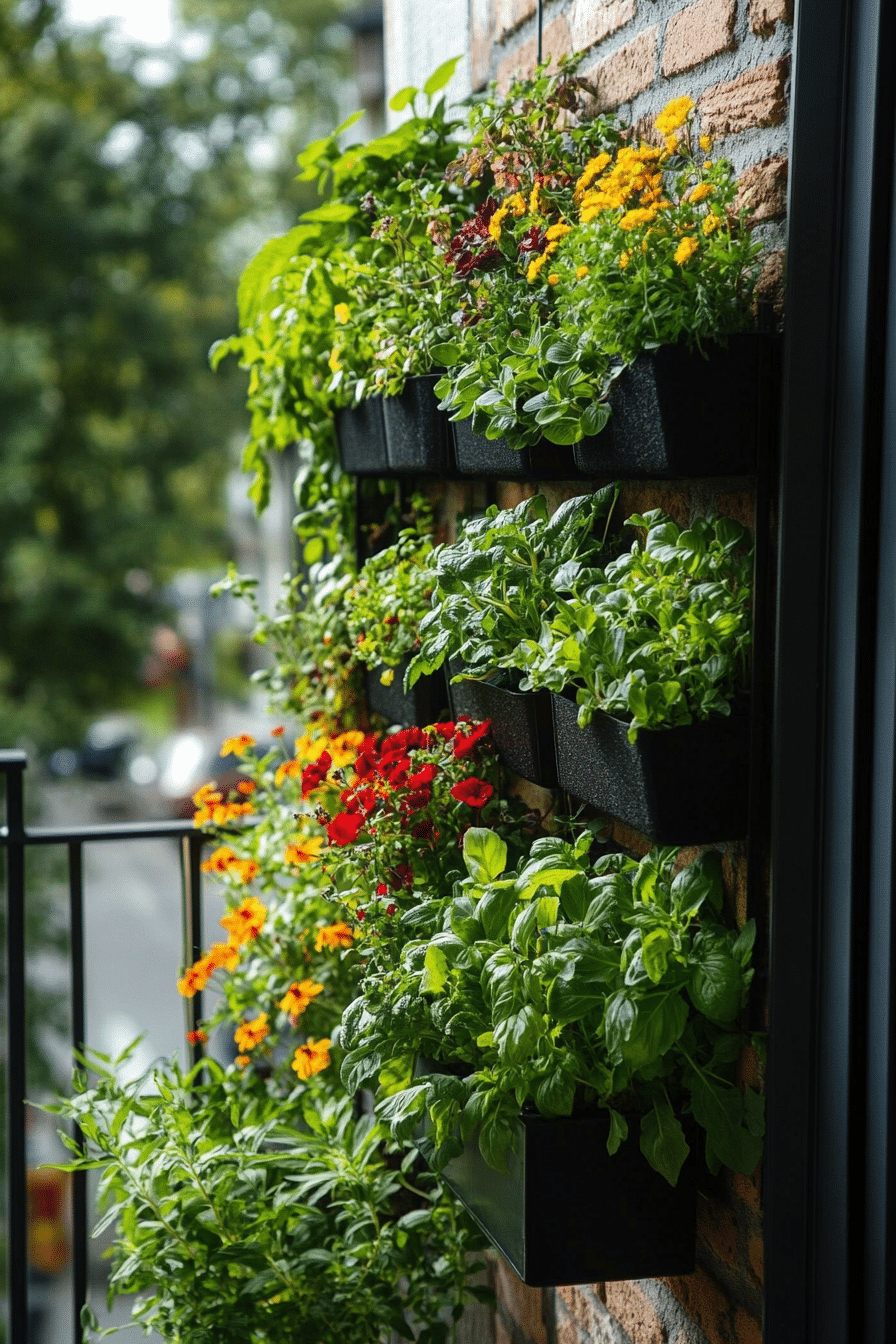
x: 418, y: 434
x: 423, y: 704
x: 361, y: 434
x: 567, y: 1212
x: 478, y: 456
x: 680, y: 786
x: 678, y: 414
x: 521, y: 726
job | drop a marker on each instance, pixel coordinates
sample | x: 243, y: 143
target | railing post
x: 191, y: 857
x: 12, y: 764
x: 79, y: 1178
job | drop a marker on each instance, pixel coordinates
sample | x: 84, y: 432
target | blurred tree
x: 135, y: 186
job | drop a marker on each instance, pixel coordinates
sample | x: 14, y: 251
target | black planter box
x: 361, y: 434
x: 678, y: 414
x: 521, y: 726
x: 423, y: 704
x: 680, y: 786
x: 418, y: 434
x: 567, y: 1212
x: 478, y: 456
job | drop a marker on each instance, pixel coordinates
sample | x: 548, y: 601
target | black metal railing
x: 16, y: 838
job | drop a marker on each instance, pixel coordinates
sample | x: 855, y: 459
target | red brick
x: 480, y: 43
x: 770, y: 286
x: 590, y: 21
x: 764, y: 14
x: 747, y: 1329
x: 583, y: 1308
x: 747, y: 1188
x: 756, y: 1259
x: 624, y: 74
x: 706, y: 1304
x: 555, y: 42
x: 511, y: 13
x: 717, y: 1228
x: 762, y: 191
x: 520, y: 1303
x: 697, y: 34
x: 636, y: 1313
x: 755, y: 98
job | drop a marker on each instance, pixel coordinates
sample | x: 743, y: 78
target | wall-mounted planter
x: 424, y: 703
x: 419, y: 441
x: 567, y: 1212
x: 361, y: 435
x: 522, y: 728
x: 677, y: 414
x: 478, y: 456
x: 680, y: 786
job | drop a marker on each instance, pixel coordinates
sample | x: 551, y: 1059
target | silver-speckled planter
x: 522, y: 729
x: 425, y: 703
x: 361, y: 435
x: 680, y: 786
x: 676, y: 414
x: 478, y: 456
x: 419, y: 441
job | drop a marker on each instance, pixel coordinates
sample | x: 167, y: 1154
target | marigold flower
x: 334, y: 361
x: 633, y: 219
x: 278, y: 731
x: 706, y: 143
x: 243, y: 1061
x: 593, y: 168
x: 710, y: 224
x: 197, y: 1037
x: 207, y: 793
x: 674, y: 114
x: 700, y: 192
x: 558, y: 231
x: 286, y: 770
x: 245, y: 786
x: 581, y: 272
x: 312, y: 1057
x: 474, y: 792
x: 304, y: 851
x: 685, y: 250
x: 244, y: 870
x: 624, y: 260
x: 496, y: 221
x: 516, y: 203
x: 298, y: 996
x: 341, y: 313
x: 246, y: 922
x: 194, y: 979
x: 553, y: 278
x: 672, y: 142
x: 250, y: 1034
x: 534, y: 268
x: 535, y: 199
x: 219, y: 860
x: 334, y: 935
x: 343, y: 829
x: 223, y: 956
x: 236, y: 746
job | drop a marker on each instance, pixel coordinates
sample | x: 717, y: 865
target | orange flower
x: 312, y: 1057
x: 246, y: 786
x: 236, y: 746
x: 198, y: 1037
x: 243, y: 869
x: 223, y: 955
x: 250, y: 1034
x: 334, y: 935
x: 194, y: 978
x: 286, y: 771
x: 220, y: 860
x: 278, y: 731
x: 208, y: 793
x: 246, y: 921
x: 304, y: 851
x: 243, y: 1060
x: 298, y: 996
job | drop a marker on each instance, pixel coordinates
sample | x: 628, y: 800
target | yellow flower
x: 535, y: 200
x: 496, y: 221
x: 685, y: 250
x: 674, y: 114
x: 287, y: 770
x: 194, y: 978
x: 581, y: 272
x: 250, y: 1034
x: 553, y: 278
x: 700, y: 192
x: 237, y: 746
x: 334, y: 361
x: 243, y: 1061
x: 219, y: 861
x: 223, y: 955
x: 710, y: 224
x: 593, y: 168
x: 624, y: 260
x: 558, y: 231
x: 298, y: 996
x: 312, y: 1057
x: 341, y: 313
x: 516, y: 203
x: 632, y: 219
x: 387, y: 676
x: 243, y: 869
x: 671, y: 143
x: 706, y: 143
x: 333, y: 935
x: 304, y: 851
x: 246, y: 922
x: 535, y: 266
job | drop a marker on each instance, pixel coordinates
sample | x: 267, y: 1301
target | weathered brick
x: 555, y: 42
x: 764, y: 14
x: 747, y: 1188
x: 590, y: 21
x: 771, y: 281
x: 747, y: 1329
x: 756, y: 1259
x: 636, y: 1313
x: 755, y: 98
x: 511, y: 13
x: 480, y: 43
x: 706, y: 1304
x: 762, y: 190
x: 698, y: 33
x: 717, y: 1228
x: 580, y: 1306
x: 520, y: 1304
x: 626, y: 72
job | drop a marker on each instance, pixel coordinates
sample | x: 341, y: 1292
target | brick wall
x: 733, y: 58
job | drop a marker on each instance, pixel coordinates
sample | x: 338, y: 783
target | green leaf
x: 720, y: 1110
x: 618, y: 1131
x: 516, y: 1036
x: 254, y: 295
x: 400, y: 100
x: 435, y: 975
x: 440, y: 77
x: 494, y: 910
x: 700, y: 881
x: 641, y: 1030
x: 655, y: 949
x: 662, y: 1140
x: 485, y: 854
x: 556, y: 1093
x: 496, y: 1137
x: 716, y: 986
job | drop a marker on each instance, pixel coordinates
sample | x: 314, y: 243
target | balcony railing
x: 16, y: 839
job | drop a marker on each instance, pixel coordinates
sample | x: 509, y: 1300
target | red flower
x: 351, y: 802
x: 390, y: 909
x: 420, y: 778
x: 464, y: 743
x: 533, y: 240
x: 344, y: 828
x: 416, y: 799
x: 367, y: 800
x: 473, y: 248
x: 406, y: 873
x: 407, y: 739
x: 422, y: 830
x: 396, y: 771
x: 314, y: 774
x: 382, y: 889
x: 365, y: 764
x: 359, y: 913
x: 474, y: 792
x: 442, y: 730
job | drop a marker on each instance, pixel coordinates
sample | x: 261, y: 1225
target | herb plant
x: 563, y: 986
x: 392, y: 595
x: 663, y: 634
x: 499, y: 583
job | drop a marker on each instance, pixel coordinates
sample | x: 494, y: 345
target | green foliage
x: 502, y: 579
x: 565, y: 985
x: 391, y: 597
x: 662, y: 634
